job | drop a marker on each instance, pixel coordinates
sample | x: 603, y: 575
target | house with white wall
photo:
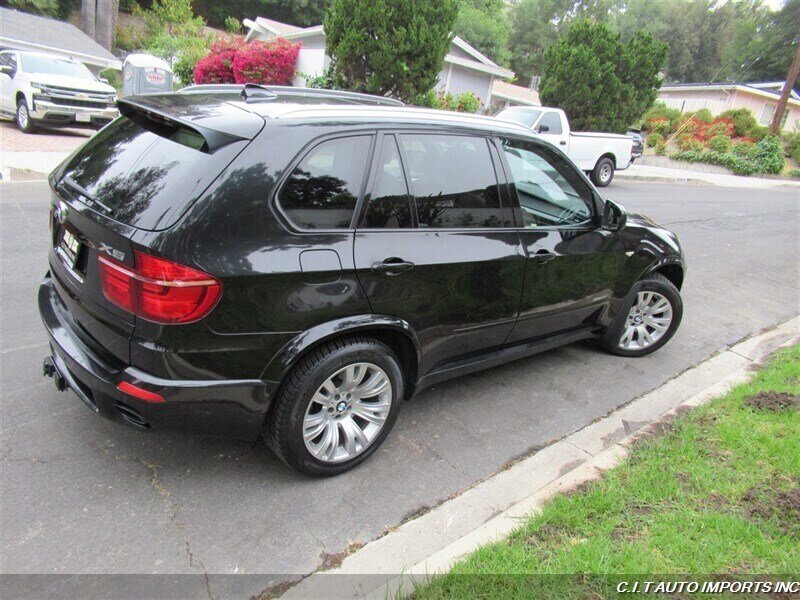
x: 761, y: 98
x: 464, y: 69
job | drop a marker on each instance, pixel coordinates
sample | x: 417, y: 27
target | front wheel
x: 603, y: 172
x: 653, y: 318
x: 336, y: 406
x: 24, y: 121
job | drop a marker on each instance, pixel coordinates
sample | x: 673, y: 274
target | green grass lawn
x: 718, y: 493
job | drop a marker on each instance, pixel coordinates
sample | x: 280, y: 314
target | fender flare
x: 289, y: 354
x: 662, y: 262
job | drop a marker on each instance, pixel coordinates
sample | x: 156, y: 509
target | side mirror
x: 614, y: 216
x: 102, y: 80
x: 6, y: 70
x: 543, y: 128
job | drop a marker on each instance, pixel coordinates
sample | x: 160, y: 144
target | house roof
x: 515, y: 93
x: 768, y: 88
x: 24, y: 31
x: 478, y: 62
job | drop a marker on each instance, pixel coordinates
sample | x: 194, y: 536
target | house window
x: 768, y: 112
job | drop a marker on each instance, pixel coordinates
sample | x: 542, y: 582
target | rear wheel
x: 336, y: 406
x: 24, y: 121
x: 603, y: 172
x: 654, y: 313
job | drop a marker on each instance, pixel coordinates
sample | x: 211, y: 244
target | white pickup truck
x: 40, y: 89
x: 598, y: 154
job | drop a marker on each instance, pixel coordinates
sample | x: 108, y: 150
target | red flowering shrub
x: 266, y: 62
x: 217, y: 65
x: 234, y: 61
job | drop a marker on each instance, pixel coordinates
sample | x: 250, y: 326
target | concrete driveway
x: 83, y: 495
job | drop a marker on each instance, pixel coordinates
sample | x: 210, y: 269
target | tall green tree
x: 601, y: 82
x: 535, y: 26
x: 389, y: 47
x: 769, y: 52
x: 485, y: 25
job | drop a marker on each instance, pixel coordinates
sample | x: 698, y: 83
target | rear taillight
x: 159, y: 290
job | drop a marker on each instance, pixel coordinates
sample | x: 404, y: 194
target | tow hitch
x: 49, y: 369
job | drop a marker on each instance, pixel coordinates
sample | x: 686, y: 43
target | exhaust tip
x: 131, y: 416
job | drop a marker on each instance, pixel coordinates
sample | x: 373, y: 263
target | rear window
x: 141, y: 178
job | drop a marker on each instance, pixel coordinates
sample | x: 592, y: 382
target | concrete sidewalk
x: 29, y: 166
x: 492, y: 509
x: 666, y: 175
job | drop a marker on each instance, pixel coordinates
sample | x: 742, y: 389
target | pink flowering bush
x: 217, y: 65
x: 234, y: 61
x: 266, y: 62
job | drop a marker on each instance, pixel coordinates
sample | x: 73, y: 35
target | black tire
x: 283, y: 428
x: 23, y: 117
x: 603, y: 172
x: 653, y: 283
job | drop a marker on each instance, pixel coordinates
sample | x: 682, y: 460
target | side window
x: 553, y: 123
x: 322, y: 191
x: 452, y: 180
x: 390, y: 204
x: 551, y: 193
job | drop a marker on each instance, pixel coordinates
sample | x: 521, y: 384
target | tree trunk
x: 88, y: 16
x: 105, y: 22
x: 794, y: 71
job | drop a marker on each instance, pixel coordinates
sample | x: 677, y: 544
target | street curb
x: 771, y: 185
x: 493, y: 508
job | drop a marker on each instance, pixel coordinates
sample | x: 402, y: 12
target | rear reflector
x: 159, y: 290
x: 137, y: 392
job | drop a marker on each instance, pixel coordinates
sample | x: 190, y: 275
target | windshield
x: 54, y: 66
x: 524, y: 116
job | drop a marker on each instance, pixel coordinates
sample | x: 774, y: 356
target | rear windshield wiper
x: 87, y: 195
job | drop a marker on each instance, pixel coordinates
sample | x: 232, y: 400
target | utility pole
x: 794, y: 71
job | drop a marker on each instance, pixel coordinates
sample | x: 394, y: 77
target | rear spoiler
x: 147, y: 112
x: 286, y: 90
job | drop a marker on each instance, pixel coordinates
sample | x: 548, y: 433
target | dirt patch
x: 765, y: 503
x: 773, y: 400
x: 332, y: 561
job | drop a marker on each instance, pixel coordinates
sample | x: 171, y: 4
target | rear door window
x: 323, y: 189
x: 452, y: 180
x: 142, y: 178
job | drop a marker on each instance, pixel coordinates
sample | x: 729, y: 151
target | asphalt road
x: 83, y: 495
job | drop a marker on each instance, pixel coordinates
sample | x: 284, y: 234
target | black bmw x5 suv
x: 297, y: 264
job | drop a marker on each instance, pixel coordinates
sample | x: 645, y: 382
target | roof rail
x: 248, y: 92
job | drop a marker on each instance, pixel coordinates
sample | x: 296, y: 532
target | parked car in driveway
x: 247, y: 264
x: 39, y: 89
x: 598, y: 154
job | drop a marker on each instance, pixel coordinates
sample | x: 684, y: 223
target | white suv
x: 40, y: 89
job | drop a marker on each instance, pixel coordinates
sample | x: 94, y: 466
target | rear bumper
x: 229, y: 408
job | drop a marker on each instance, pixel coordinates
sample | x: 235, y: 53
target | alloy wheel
x: 347, y: 412
x: 22, y: 116
x: 647, y: 322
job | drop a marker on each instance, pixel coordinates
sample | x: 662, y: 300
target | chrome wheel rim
x: 605, y: 172
x: 647, y: 322
x: 22, y: 116
x: 347, y: 412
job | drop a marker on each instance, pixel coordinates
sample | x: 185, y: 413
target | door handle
x: 543, y: 256
x: 392, y: 266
